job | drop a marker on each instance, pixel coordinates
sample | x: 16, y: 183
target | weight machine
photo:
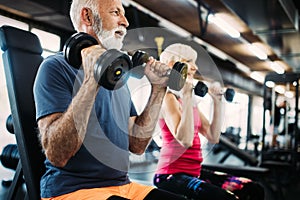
x: 283, y: 157
x: 286, y: 87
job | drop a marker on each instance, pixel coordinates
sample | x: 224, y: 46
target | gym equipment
x: 201, y: 90
x: 10, y: 156
x: 110, y: 70
x: 283, y: 159
x: 233, y: 149
x: 229, y: 94
x: 9, y: 124
x: 177, y: 74
x: 21, y: 59
x: 288, y: 151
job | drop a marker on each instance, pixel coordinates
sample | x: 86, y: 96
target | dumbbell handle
x: 139, y: 66
x: 177, y: 74
x: 201, y: 90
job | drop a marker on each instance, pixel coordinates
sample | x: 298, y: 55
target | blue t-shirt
x: 103, y: 159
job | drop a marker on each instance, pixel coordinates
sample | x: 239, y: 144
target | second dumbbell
x: 177, y: 75
x: 111, y: 68
x: 201, y: 90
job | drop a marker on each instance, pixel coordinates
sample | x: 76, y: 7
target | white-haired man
x: 86, y: 130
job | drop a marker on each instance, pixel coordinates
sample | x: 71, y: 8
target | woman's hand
x: 216, y: 91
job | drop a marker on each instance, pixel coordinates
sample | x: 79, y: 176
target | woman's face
x: 192, y: 67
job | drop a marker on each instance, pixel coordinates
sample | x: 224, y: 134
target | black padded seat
x: 21, y: 58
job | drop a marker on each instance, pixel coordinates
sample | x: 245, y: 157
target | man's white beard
x: 109, y: 40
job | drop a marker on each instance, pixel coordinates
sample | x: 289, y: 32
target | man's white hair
x: 176, y: 52
x: 76, y: 7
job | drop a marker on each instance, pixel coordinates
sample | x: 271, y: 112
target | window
x: 50, y: 43
x: 12, y: 22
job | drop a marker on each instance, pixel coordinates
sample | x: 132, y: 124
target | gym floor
x: 142, y: 170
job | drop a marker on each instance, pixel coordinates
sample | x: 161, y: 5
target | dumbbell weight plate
x: 74, y: 45
x: 111, y: 69
x: 200, y: 89
x: 10, y: 124
x: 139, y: 58
x: 229, y: 94
x: 10, y: 156
x: 178, y: 76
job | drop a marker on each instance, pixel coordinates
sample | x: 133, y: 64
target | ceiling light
x: 295, y: 83
x: 289, y: 94
x: 280, y: 89
x: 199, y: 41
x: 270, y: 84
x: 217, y: 52
x: 257, y: 51
x: 162, y: 22
x: 258, y: 76
x: 243, y: 68
x: 277, y: 67
x: 174, y: 28
x: 193, y: 2
x: 224, y: 26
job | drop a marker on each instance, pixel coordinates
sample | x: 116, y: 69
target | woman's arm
x: 180, y: 118
x: 212, y: 130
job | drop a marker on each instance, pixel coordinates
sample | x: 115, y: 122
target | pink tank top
x: 175, y: 158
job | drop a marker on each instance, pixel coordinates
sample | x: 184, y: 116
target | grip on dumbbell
x: 177, y: 74
x: 74, y: 45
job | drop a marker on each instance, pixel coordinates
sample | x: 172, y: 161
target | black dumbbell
x: 201, y: 90
x: 10, y: 156
x: 177, y: 75
x: 9, y: 124
x: 229, y: 94
x: 111, y: 68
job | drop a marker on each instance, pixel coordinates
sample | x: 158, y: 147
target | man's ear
x: 87, y: 16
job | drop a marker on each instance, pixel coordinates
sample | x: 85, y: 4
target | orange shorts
x: 134, y: 191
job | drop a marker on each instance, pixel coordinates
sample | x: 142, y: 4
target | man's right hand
x: 89, y: 57
x: 156, y: 72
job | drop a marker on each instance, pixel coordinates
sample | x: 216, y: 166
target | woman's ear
x: 171, y: 63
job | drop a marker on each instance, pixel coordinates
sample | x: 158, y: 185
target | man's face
x: 111, y: 27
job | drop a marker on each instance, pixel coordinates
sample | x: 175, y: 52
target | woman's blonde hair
x: 177, y: 52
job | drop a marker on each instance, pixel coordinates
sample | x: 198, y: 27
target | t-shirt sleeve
x: 133, y: 110
x: 52, y: 92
